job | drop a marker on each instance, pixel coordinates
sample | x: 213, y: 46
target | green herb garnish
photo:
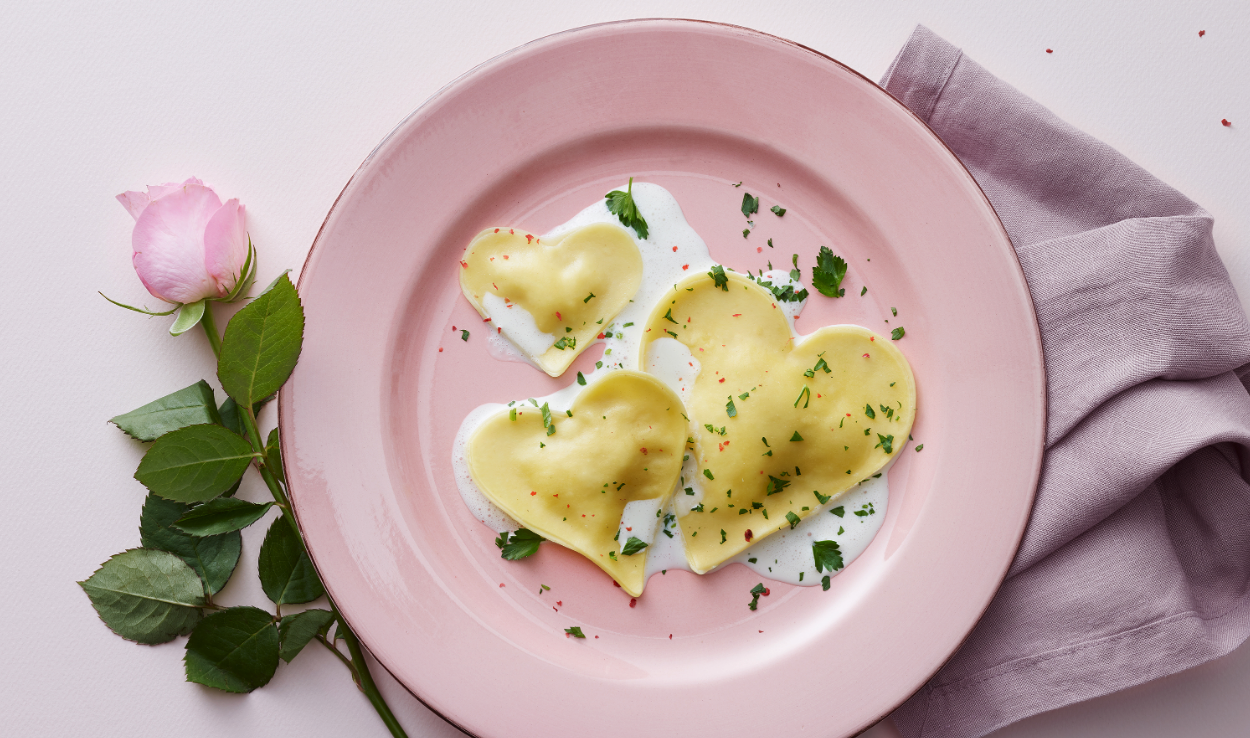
x: 522, y: 543
x: 719, y: 279
x: 575, y: 631
x: 794, y: 519
x: 750, y: 204
x: 897, y: 333
x: 778, y: 210
x: 828, y: 273
x: 827, y: 554
x: 633, y: 546
x: 622, y: 205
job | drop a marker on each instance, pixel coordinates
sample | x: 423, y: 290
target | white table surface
x: 277, y: 104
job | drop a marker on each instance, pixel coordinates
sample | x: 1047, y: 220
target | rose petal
x: 156, y: 192
x: 225, y: 245
x: 168, y: 244
x: 134, y: 202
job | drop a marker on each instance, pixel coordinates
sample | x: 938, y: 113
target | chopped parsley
x: 589, y: 297
x: 827, y: 555
x: 765, y: 440
x: 756, y: 591
x: 622, y: 205
x: 804, y: 392
x: 744, y: 395
x: 828, y: 273
x: 575, y: 631
x: 897, y: 333
x: 612, y: 555
x: 627, y: 325
x: 822, y: 498
x: 770, y: 243
x: 674, y: 335
x: 782, y: 293
x: 894, y: 311
x: 886, y: 443
x: 796, y: 437
x: 523, y: 543
x: 464, y: 335
x: 870, y: 412
x: 775, y: 485
x: 722, y: 534
x: 712, y: 429
x: 512, y: 414
x: 750, y: 204
x: 633, y: 546
x: 566, y: 342
x: 824, y: 583
x: 581, y: 379
x: 550, y: 426
x: 708, y: 473
x: 778, y: 210
x: 730, y: 409
x: 719, y: 279
x: 690, y: 491
x: 919, y: 447
x: 738, y: 185
x: 697, y: 508
x: 839, y: 511
x: 746, y: 232
x: 669, y: 317
x: 794, y: 519
x: 863, y: 291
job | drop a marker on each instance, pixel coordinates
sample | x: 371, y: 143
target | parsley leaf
x: 581, y: 379
x: 794, y: 519
x: 796, y: 437
x: 919, y: 447
x: 669, y: 317
x: 633, y: 546
x: 824, y: 583
x: 886, y: 443
x: 828, y: 273
x: 897, y: 333
x: 464, y: 335
x: 778, y: 210
x: 775, y: 485
x: 550, y: 426
x: 621, y: 204
x: 870, y: 412
x: 566, y: 342
x: 523, y: 543
x: 750, y: 204
x: 827, y: 554
x: 840, y: 510
x: 575, y: 631
x: 823, y: 498
x: 718, y: 277
x: 729, y: 408
x: 756, y: 591
x: 708, y: 473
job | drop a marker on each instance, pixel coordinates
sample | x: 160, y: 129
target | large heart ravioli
x: 551, y: 297
x: 622, y: 444
x: 793, y: 422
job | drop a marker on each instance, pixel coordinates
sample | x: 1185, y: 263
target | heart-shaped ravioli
x: 551, y: 297
x: 783, y: 424
x: 591, y: 478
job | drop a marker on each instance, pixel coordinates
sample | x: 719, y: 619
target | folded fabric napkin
x: 1136, y: 562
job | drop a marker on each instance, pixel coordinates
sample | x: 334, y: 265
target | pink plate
x: 531, y: 138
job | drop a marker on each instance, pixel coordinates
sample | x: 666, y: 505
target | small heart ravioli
x: 621, y: 447
x: 551, y: 297
x: 793, y: 422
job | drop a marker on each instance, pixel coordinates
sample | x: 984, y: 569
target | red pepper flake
x: 511, y: 231
x: 670, y: 636
x: 759, y: 249
x: 533, y: 493
x: 505, y: 256
x: 767, y: 592
x: 748, y: 535
x: 555, y: 495
x: 553, y: 608
x: 501, y: 584
x: 684, y: 267
x: 633, y: 601
x: 722, y: 379
x: 492, y: 284
x: 484, y: 321
x: 1050, y: 51
x: 1226, y: 122
x: 616, y: 584
x: 600, y: 335
x: 499, y: 330
x: 440, y: 349
x: 628, y: 528
x: 597, y: 637
x: 737, y: 315
x: 674, y: 249
x: 643, y: 450
x: 529, y: 238
x: 464, y: 265
x: 865, y: 356
x: 496, y: 230
x: 558, y: 316
x: 558, y: 602
x: 1201, y: 34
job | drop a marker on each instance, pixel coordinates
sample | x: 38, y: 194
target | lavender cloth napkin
x: 1136, y: 562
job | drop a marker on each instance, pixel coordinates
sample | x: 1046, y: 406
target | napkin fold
x: 1136, y: 561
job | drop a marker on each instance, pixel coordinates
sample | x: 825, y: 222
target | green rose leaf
x: 212, y: 557
x: 221, y: 515
x: 194, y: 464
x: 192, y: 405
x: 286, y: 572
x: 273, y: 456
x: 230, y: 418
x: 262, y: 344
x: 295, y: 631
x: 235, y: 650
x: 146, y: 596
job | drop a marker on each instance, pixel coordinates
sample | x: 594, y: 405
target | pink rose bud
x: 188, y: 246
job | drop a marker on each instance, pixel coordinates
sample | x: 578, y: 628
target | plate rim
x: 413, y: 117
